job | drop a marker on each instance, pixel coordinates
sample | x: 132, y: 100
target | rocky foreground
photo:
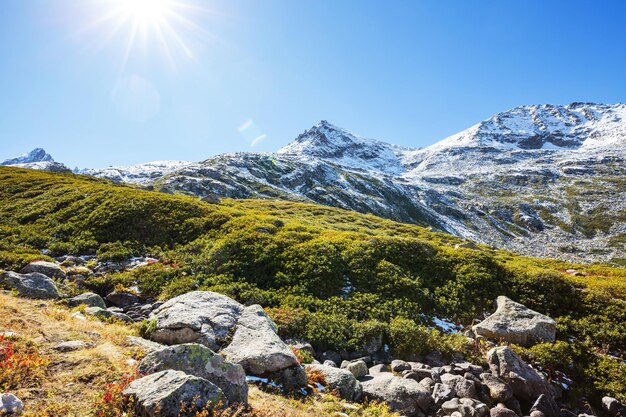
x: 203, y: 349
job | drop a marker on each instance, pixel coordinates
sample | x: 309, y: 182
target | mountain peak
x: 336, y: 145
x: 36, y: 155
x: 547, y: 126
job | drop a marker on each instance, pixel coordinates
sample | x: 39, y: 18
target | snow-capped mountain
x: 36, y: 155
x: 137, y: 174
x: 541, y: 180
x: 38, y: 158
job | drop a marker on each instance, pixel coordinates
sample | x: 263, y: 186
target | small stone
x: 358, y: 368
x: 70, y: 346
x: 10, y: 405
x: 611, y: 405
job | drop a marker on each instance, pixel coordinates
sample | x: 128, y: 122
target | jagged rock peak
x: 336, y: 145
x: 36, y: 155
x: 548, y: 126
x: 323, y: 140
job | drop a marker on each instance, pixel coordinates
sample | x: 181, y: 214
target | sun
x: 141, y: 28
x: 147, y: 12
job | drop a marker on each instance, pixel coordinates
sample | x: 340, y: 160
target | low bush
x: 20, y: 364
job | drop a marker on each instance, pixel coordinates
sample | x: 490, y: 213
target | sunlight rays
x: 139, y: 26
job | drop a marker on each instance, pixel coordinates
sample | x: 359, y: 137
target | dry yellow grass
x: 73, y: 380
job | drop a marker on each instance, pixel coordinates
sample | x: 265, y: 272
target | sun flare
x: 144, y: 27
x: 146, y: 12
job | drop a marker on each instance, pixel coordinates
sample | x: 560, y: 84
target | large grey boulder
x: 526, y: 383
x: 256, y: 345
x: 339, y: 380
x: 166, y: 393
x: 49, y: 269
x: 515, y: 323
x: 405, y: 396
x: 31, y: 285
x: 196, y: 317
x: 88, y: 298
x: 198, y: 360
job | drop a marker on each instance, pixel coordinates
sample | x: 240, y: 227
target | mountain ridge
x: 522, y: 180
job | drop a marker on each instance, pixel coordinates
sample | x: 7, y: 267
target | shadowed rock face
x: 256, y: 345
x: 525, y: 382
x: 200, y: 361
x: 515, y: 323
x: 166, y: 393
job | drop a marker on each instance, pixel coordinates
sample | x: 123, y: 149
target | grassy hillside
x: 333, y: 277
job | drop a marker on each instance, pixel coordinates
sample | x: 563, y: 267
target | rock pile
x: 243, y: 335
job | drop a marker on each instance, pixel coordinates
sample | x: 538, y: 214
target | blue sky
x: 262, y: 71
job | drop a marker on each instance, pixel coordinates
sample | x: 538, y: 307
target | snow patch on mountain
x: 34, y: 156
x: 141, y: 174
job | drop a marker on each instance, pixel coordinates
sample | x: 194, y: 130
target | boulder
x: 462, y: 387
x: 498, y: 389
x: 256, y: 345
x: 379, y: 369
x: 404, y: 396
x: 357, y: 368
x: 398, y: 365
x: 198, y: 360
x: 442, y: 393
x: 49, y: 269
x: 340, y: 380
x: 31, y: 285
x: 122, y: 298
x: 10, y: 405
x: 515, y: 323
x: 547, y: 406
x: 196, y: 317
x: 88, y: 298
x: 525, y: 382
x: 166, y: 393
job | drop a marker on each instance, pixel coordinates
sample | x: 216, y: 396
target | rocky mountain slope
x: 38, y: 158
x: 541, y: 180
